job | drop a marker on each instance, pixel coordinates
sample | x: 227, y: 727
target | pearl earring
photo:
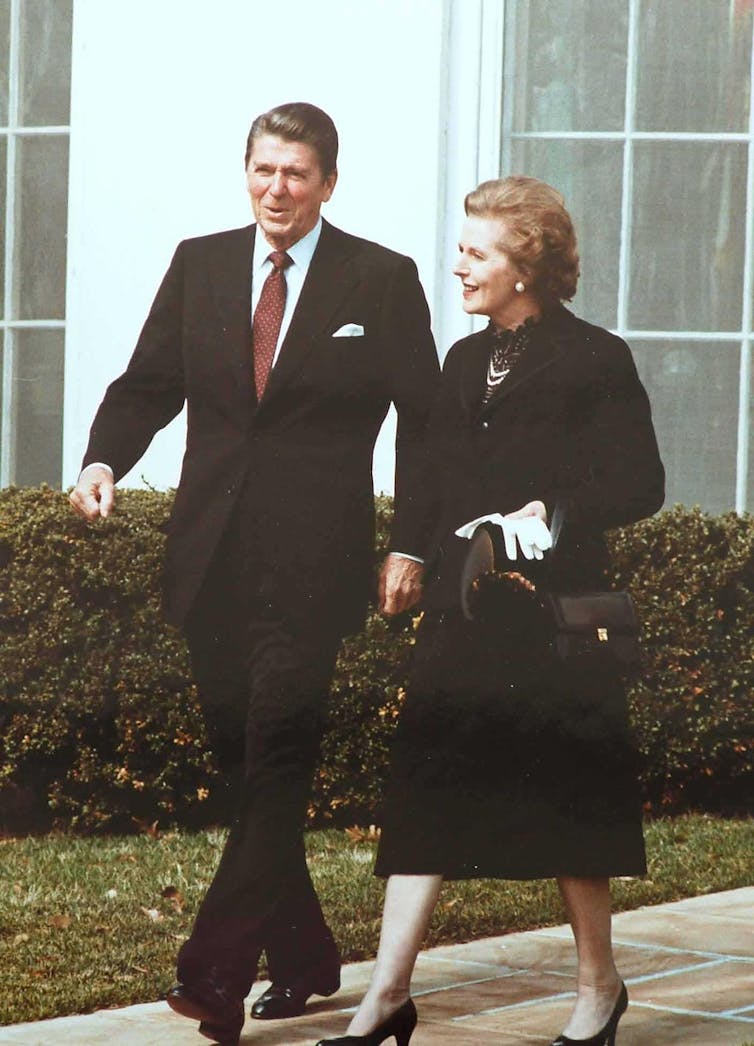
x: 519, y: 287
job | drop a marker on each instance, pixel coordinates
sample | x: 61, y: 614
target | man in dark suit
x: 288, y: 340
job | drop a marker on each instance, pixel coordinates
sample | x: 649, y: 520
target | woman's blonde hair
x: 541, y: 240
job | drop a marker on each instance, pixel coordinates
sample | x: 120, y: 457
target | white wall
x: 163, y: 94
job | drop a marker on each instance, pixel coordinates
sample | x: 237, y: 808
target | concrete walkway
x: 689, y: 967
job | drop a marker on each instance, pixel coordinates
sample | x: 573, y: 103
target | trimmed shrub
x: 98, y: 716
x: 692, y: 577
x: 100, y: 724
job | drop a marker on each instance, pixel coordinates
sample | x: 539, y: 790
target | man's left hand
x: 400, y: 584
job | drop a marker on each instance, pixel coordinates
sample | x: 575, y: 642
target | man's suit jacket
x: 570, y: 425
x: 303, y: 454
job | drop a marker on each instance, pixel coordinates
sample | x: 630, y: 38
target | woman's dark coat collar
x: 553, y: 334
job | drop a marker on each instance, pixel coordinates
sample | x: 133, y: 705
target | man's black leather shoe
x: 220, y: 1014
x: 289, y: 1000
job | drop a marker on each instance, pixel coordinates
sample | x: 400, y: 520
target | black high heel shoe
x: 401, y: 1024
x: 605, y: 1037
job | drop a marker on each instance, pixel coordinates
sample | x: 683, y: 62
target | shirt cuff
x: 96, y: 464
x: 405, y: 555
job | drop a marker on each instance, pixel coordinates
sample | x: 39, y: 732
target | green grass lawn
x: 87, y: 923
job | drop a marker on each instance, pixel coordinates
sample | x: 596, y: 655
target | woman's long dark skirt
x: 508, y: 767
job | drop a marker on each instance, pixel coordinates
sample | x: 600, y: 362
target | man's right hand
x: 94, y: 493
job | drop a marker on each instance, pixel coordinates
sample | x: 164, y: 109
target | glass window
x: 38, y: 382
x: 35, y: 47
x: 4, y: 56
x: 694, y: 392
x: 638, y: 111
x: 41, y: 216
x: 688, y: 234
x: 45, y: 63
x: 3, y: 176
x: 588, y: 175
x: 694, y: 65
x: 572, y: 80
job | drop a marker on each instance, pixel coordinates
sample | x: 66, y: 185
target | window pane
x: 693, y: 388
x: 3, y: 180
x: 589, y: 175
x: 3, y: 404
x: 4, y: 51
x: 45, y: 63
x: 694, y: 65
x: 39, y: 406
x: 566, y: 64
x: 41, y: 214
x: 688, y: 236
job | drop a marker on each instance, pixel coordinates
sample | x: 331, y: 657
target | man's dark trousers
x: 263, y: 679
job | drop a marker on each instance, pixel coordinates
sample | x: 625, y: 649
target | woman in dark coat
x: 507, y: 765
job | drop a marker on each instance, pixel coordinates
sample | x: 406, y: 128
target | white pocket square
x: 349, y: 330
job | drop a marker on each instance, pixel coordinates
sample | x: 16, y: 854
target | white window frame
x: 8, y: 323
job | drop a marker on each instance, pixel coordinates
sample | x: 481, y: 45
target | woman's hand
x: 533, y: 508
x: 529, y: 528
x: 526, y: 528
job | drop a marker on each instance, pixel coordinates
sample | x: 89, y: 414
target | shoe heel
x: 403, y: 1034
x: 217, y: 1034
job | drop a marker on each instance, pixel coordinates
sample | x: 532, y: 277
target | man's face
x: 287, y: 188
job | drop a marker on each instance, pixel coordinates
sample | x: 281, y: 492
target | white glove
x: 530, y: 532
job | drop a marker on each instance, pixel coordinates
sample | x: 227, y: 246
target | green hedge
x: 100, y: 726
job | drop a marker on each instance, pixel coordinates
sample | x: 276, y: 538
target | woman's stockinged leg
x: 409, y: 903
x: 587, y: 903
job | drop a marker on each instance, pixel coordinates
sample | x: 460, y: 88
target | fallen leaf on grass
x: 21, y: 938
x: 60, y: 922
x: 175, y: 897
x: 151, y: 830
x: 363, y: 835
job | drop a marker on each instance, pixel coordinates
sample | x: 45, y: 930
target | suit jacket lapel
x: 474, y: 373
x: 327, y: 283
x: 231, y: 287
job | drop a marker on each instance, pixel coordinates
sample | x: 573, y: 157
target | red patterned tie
x: 268, y: 316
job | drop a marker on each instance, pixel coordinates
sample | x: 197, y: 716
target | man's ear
x: 329, y: 185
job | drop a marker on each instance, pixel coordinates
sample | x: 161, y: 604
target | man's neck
x: 280, y: 243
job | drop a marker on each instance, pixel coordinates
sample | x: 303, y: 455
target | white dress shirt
x: 301, y: 254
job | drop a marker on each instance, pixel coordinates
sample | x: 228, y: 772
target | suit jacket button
x: 485, y: 425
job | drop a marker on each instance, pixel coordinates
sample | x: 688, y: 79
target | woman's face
x: 487, y: 274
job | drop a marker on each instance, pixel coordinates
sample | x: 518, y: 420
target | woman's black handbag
x: 598, y: 627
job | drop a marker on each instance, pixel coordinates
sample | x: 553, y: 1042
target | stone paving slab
x: 689, y: 967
